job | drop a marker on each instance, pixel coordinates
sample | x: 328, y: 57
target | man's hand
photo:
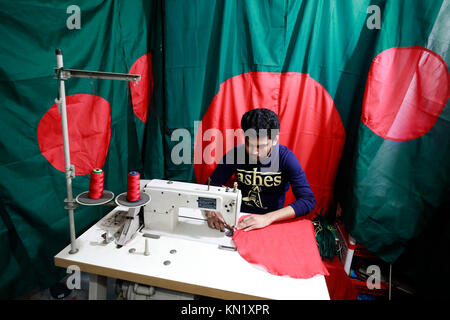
x: 215, y: 220
x: 255, y: 221
x: 258, y: 221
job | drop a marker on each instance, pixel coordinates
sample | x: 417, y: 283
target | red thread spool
x: 96, y: 184
x: 134, y: 186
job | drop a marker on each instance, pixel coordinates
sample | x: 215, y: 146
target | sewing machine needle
x: 229, y: 229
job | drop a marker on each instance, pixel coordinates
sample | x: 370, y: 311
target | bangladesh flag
x: 399, y: 172
x: 106, y: 122
x: 360, y: 87
x: 223, y: 58
x: 136, y: 22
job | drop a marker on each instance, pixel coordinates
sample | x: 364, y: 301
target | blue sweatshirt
x: 264, y: 184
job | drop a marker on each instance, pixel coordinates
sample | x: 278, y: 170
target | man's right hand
x: 215, y: 220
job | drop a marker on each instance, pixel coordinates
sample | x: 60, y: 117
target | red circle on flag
x: 407, y: 89
x: 142, y: 90
x: 310, y: 125
x: 89, y: 126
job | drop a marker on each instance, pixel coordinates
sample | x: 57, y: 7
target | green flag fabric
x: 399, y: 173
x: 223, y: 58
x: 34, y: 224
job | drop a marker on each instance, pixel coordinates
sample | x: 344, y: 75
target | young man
x: 264, y: 170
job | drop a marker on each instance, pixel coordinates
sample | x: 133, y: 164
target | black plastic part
x: 59, y: 291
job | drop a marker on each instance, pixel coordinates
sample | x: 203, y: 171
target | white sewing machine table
x: 195, y: 267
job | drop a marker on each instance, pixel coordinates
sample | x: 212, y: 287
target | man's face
x: 259, y: 148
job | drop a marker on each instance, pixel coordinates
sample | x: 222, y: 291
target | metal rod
x: 63, y: 74
x: 390, y: 281
x: 147, y: 248
x: 73, y: 73
x: 68, y: 170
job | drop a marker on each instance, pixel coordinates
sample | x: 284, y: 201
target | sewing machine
x: 175, y: 209
x: 167, y: 197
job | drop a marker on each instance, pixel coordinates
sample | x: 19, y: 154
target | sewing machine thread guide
x: 153, y: 236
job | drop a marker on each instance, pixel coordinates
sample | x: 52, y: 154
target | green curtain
x: 34, y: 224
x: 207, y: 42
x: 392, y: 190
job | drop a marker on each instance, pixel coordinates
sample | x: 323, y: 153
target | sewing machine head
x: 167, y: 197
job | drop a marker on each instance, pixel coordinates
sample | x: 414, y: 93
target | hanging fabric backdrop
x: 106, y: 129
x: 361, y: 89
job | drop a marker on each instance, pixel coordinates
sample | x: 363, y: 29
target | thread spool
x: 96, y: 184
x: 134, y: 186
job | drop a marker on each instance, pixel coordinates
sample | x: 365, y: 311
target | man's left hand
x: 255, y: 221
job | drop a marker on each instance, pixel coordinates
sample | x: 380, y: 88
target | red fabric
x: 142, y: 91
x: 310, y: 126
x: 89, y: 125
x: 286, y: 248
x: 339, y: 285
x: 407, y: 89
x: 289, y: 248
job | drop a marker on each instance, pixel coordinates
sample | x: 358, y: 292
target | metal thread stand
x: 64, y: 74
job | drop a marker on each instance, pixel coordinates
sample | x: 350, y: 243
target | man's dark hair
x: 262, y: 121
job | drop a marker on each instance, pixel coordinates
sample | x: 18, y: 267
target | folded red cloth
x: 286, y: 248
